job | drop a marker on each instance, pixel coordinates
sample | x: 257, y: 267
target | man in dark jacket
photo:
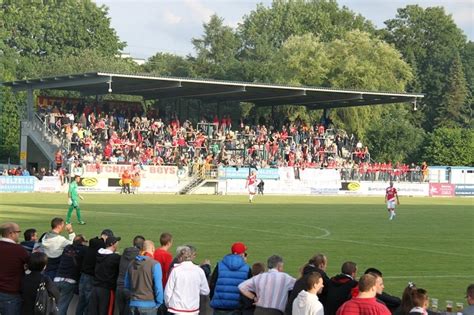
x: 143, y: 281
x: 31, y: 238
x: 228, y: 274
x: 129, y: 254
x: 88, y: 270
x: 69, y: 272
x: 318, y: 263
x: 106, y: 271
x: 341, y: 288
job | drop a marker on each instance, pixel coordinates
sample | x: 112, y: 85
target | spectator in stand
x: 31, y: 283
x: 13, y: 267
x: 31, y: 238
x: 307, y: 302
x: 469, y: 309
x: 186, y: 283
x: 129, y: 254
x: 226, y: 277
x: 392, y: 302
x: 364, y: 303
x: 102, y: 298
x: 53, y: 244
x: 163, y: 256
x: 88, y: 270
x: 270, y: 289
x: 318, y: 263
x: 143, y: 280
x: 69, y: 272
x: 341, y: 288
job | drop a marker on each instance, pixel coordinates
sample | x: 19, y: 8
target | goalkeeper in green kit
x: 73, y: 200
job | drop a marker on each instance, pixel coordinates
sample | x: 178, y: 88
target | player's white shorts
x: 391, y: 204
x: 252, y: 189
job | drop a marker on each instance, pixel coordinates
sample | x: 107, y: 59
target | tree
x: 356, y: 61
x: 168, y: 65
x: 265, y: 29
x: 217, y: 51
x: 451, y: 110
x: 450, y: 146
x: 429, y: 40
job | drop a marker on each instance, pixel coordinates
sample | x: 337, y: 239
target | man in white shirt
x: 307, y: 302
x: 186, y: 283
x: 270, y: 289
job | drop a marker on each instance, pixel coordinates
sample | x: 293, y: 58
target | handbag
x: 44, y: 303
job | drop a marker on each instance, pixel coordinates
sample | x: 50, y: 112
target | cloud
x: 198, y: 10
x: 171, y: 18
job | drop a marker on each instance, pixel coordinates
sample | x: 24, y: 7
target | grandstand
x: 73, y: 132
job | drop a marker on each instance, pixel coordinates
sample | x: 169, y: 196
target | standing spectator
x: 88, y: 270
x: 420, y: 302
x: 364, y: 303
x: 186, y: 283
x: 32, y: 280
x: 74, y: 200
x: 424, y: 172
x: 31, y: 238
x: 469, y: 310
x: 129, y: 254
x: 143, y: 280
x: 14, y: 258
x: 126, y: 180
x: 163, y: 256
x: 102, y: 299
x: 270, y: 289
x: 226, y: 277
x: 318, y: 263
x: 307, y: 302
x: 392, y: 302
x: 53, y: 244
x: 341, y: 288
x: 69, y: 272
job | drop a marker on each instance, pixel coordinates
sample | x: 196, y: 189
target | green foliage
x: 450, y: 146
x: 394, y: 138
x: 356, y: 61
x: 451, y: 109
x: 165, y: 64
x: 66, y: 27
x: 9, y: 126
x: 429, y: 40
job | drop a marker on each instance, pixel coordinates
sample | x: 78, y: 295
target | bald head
x: 10, y: 230
x: 148, y: 247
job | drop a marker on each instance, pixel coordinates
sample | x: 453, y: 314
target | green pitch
x: 431, y: 241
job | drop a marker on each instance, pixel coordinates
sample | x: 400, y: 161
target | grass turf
x: 430, y: 242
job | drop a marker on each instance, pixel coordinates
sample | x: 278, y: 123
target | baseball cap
x: 238, y: 248
x: 111, y: 240
x: 107, y: 232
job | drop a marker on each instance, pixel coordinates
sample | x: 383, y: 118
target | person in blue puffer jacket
x: 226, y: 277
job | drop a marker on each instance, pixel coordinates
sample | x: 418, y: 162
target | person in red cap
x: 228, y: 274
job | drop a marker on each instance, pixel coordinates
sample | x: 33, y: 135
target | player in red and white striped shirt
x: 391, y: 196
x: 251, y: 184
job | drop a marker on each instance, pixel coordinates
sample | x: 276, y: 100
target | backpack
x: 44, y: 303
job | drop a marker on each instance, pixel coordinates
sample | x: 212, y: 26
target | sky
x: 151, y: 26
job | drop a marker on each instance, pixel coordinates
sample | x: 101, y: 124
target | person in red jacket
x: 365, y: 302
x: 163, y: 256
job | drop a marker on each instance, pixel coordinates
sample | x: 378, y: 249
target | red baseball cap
x: 238, y: 248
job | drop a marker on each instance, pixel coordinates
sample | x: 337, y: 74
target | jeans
x: 227, y: 312
x: 85, y: 289
x: 134, y: 310
x: 66, y: 291
x: 10, y: 304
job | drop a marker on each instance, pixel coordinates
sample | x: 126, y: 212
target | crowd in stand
x: 148, y: 280
x: 98, y: 133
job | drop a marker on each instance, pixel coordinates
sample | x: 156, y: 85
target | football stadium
x: 308, y: 180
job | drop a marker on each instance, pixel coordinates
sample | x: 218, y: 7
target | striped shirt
x: 271, y: 288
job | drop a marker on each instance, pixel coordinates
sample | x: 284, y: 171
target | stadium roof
x: 210, y: 91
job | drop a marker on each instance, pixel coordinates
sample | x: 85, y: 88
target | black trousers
x: 102, y: 301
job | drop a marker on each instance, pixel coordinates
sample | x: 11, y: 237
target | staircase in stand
x: 201, y: 178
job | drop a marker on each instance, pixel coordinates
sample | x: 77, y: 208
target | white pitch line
x: 430, y: 276
x: 322, y: 237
